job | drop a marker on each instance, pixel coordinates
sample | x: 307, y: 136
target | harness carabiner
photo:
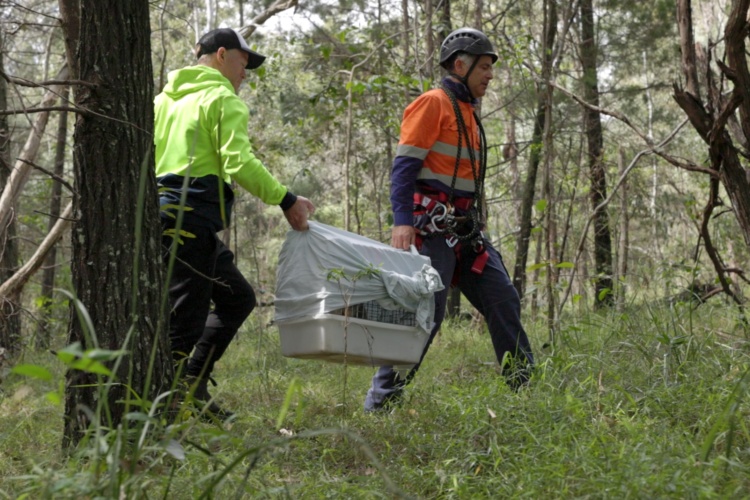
x: 437, y: 218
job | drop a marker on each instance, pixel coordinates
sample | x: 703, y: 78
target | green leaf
x: 536, y: 266
x: 74, y: 357
x: 53, y: 397
x: 541, y: 205
x: 90, y: 366
x: 294, y: 387
x: 137, y: 416
x: 603, y: 293
x: 172, y: 206
x: 33, y: 371
x: 565, y: 265
x: 41, y: 302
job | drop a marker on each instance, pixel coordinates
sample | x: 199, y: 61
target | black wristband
x: 288, y: 200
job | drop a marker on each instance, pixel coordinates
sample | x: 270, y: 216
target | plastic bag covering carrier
x: 405, y: 280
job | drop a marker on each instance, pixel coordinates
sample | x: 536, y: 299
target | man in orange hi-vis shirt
x: 437, y: 190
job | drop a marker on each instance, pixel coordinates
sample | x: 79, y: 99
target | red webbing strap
x: 418, y: 239
x: 457, y: 270
x: 478, y: 266
x: 441, y: 197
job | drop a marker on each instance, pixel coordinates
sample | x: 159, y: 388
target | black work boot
x: 210, y: 411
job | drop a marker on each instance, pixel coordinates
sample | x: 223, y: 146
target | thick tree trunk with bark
x: 10, y: 323
x: 116, y: 264
x: 604, y: 295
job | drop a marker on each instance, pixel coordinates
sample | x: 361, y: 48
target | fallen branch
x: 13, y: 285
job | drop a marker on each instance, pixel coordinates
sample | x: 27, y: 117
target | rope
x: 478, y: 169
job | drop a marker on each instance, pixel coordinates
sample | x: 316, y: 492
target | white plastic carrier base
x: 355, y: 341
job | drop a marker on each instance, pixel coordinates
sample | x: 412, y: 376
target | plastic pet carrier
x: 344, y: 298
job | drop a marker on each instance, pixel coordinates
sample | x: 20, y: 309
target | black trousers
x: 204, y: 273
x: 494, y: 296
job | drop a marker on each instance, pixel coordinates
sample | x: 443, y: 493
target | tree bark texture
x: 535, y: 155
x: 712, y: 126
x: 604, y: 295
x: 445, y: 20
x: 10, y: 322
x: 19, y: 175
x: 116, y: 276
x: 55, y: 204
x: 13, y: 285
x: 624, y: 239
x: 736, y: 33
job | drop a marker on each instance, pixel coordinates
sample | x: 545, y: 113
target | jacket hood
x: 185, y: 81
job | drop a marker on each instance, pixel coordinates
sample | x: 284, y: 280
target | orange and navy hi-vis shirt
x: 427, y: 149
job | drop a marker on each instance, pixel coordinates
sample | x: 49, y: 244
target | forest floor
x: 651, y: 403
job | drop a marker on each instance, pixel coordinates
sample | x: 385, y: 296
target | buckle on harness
x: 437, y: 216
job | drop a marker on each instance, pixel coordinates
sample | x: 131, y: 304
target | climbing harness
x: 435, y: 212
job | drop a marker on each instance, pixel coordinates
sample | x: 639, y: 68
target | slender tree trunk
x: 592, y: 124
x: 10, y: 322
x: 550, y: 226
x: 19, y: 175
x: 445, y: 20
x: 622, y: 253
x: 478, y: 14
x: 116, y: 265
x: 535, y: 155
x: 210, y: 15
x: 48, y: 275
x: 535, y: 277
x: 429, y: 41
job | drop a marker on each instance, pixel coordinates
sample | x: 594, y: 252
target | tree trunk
x: 12, y: 286
x: 116, y: 265
x: 20, y: 173
x: 535, y: 155
x: 623, y: 242
x: 445, y: 20
x: 550, y: 225
x: 429, y: 42
x: 723, y: 154
x: 10, y: 322
x: 478, y: 14
x: 48, y: 275
x: 593, y: 126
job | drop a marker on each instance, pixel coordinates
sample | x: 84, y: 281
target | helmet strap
x: 465, y: 79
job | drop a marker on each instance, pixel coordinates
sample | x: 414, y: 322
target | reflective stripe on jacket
x: 427, y: 149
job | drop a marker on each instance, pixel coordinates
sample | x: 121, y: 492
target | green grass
x: 647, y: 404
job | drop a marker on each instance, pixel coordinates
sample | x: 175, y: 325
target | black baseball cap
x: 229, y: 39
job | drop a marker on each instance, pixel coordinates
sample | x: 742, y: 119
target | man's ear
x: 221, y: 55
x: 459, y: 67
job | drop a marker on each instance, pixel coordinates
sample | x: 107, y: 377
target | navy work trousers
x: 204, y: 272
x: 494, y: 296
